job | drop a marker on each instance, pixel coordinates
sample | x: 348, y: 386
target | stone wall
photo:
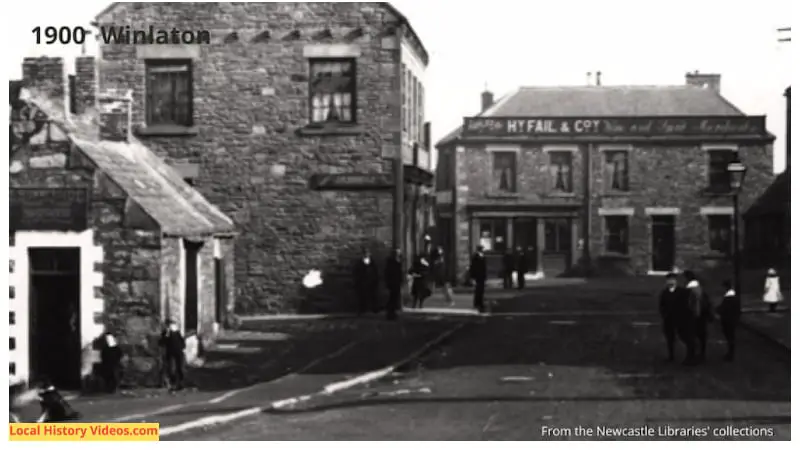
x: 252, y: 145
x: 661, y: 175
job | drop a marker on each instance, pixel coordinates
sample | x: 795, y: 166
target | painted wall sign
x: 39, y: 209
x: 350, y: 181
x: 613, y: 126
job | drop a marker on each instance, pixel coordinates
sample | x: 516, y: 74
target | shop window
x: 493, y: 235
x: 557, y: 236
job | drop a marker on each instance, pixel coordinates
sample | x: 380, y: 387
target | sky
x: 507, y: 44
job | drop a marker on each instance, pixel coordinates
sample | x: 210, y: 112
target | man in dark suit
x: 477, y: 271
x: 674, y: 309
x: 729, y: 310
x: 365, y: 275
x: 508, y: 269
x: 701, y: 314
x: 394, y: 278
x: 521, y: 262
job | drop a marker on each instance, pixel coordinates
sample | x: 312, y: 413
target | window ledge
x: 331, y: 130
x: 497, y: 194
x: 610, y: 255
x: 616, y: 194
x: 561, y: 194
x: 166, y: 130
x: 713, y: 192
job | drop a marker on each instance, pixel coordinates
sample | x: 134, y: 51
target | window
x: 169, y: 92
x: 444, y: 171
x: 719, y: 179
x: 719, y: 233
x: 493, y: 235
x: 504, y: 170
x: 421, y: 111
x: 557, y: 235
x: 616, y: 234
x: 333, y: 91
x: 561, y: 171
x: 404, y: 100
x: 616, y: 170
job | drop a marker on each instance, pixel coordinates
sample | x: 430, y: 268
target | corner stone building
x: 105, y: 236
x: 600, y: 179
x: 268, y: 119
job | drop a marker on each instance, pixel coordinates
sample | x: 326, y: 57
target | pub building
x: 599, y: 180
x: 104, y: 237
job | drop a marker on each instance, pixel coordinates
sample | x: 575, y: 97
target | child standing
x: 174, y: 344
x: 772, y: 290
x: 729, y: 311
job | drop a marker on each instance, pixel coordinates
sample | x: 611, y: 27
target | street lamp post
x: 737, y: 171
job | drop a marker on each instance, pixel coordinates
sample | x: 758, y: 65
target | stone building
x: 104, y: 236
x: 637, y: 173
x: 288, y: 120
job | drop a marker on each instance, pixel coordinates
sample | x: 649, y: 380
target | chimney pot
x: 711, y: 81
x: 115, y: 115
x: 487, y: 100
x: 46, y: 75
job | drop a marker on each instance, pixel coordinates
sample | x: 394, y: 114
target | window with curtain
x: 561, y: 171
x: 719, y: 180
x: 719, y: 233
x: 504, y: 169
x: 617, y: 170
x: 616, y: 234
x: 168, y: 92
x: 332, y: 91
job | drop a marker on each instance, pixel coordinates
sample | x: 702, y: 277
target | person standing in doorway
x: 110, y: 361
x: 508, y: 269
x: 521, y: 263
x: 772, y: 290
x: 365, y: 276
x: 173, y: 345
x: 477, y: 271
x: 394, y: 279
x: 729, y: 311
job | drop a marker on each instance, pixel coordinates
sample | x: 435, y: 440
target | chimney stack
x: 46, y: 75
x: 711, y: 81
x: 115, y: 113
x: 598, y: 79
x: 788, y: 95
x: 487, y: 100
x: 85, y: 94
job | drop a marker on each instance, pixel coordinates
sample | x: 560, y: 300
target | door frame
x: 90, y: 309
x: 661, y: 211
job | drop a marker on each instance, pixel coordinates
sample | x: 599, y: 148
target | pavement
x: 550, y: 364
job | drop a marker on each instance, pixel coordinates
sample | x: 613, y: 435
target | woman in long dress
x: 772, y: 290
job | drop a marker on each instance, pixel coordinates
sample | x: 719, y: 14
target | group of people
x: 426, y: 274
x: 515, y: 262
x: 686, y: 312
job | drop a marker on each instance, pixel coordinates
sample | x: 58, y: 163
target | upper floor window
x: 561, y: 171
x: 616, y: 174
x: 444, y: 175
x: 332, y: 90
x: 719, y: 179
x: 504, y: 169
x: 169, y: 92
x: 719, y: 233
x: 616, y: 234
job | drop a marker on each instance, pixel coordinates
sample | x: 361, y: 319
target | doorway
x: 191, y: 288
x: 220, y: 290
x: 557, y: 246
x: 663, y: 243
x: 54, y: 318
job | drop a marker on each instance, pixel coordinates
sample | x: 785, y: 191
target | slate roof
x: 177, y: 207
x: 608, y: 101
x: 776, y: 198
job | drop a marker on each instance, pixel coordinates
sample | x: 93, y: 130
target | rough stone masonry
x: 250, y: 143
